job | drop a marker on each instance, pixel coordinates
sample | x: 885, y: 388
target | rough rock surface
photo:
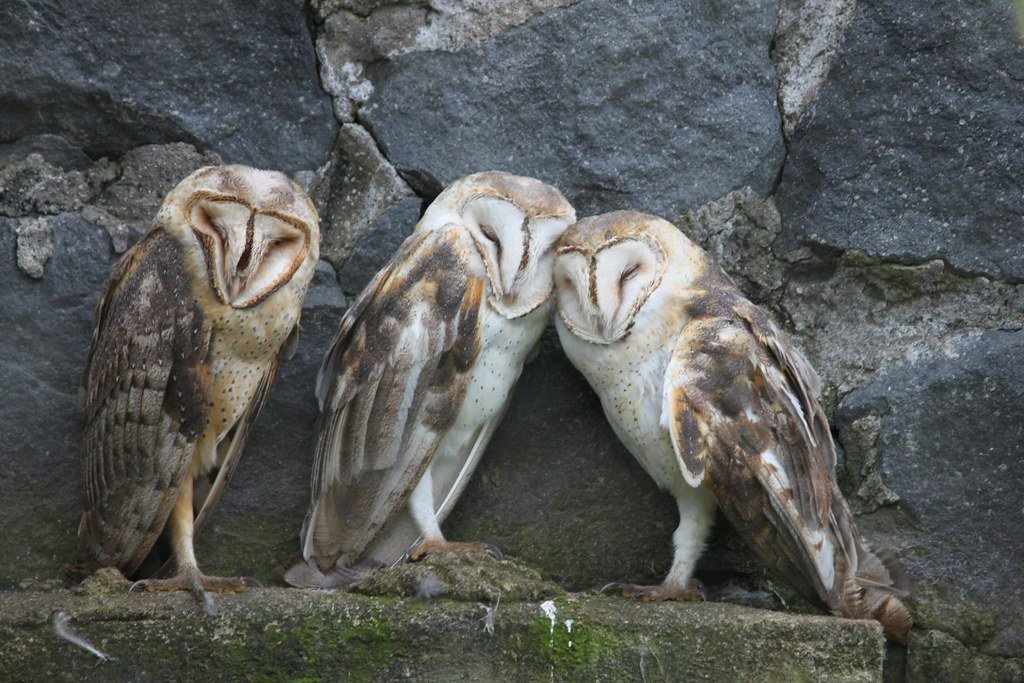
x: 373, y: 251
x: 738, y: 231
x: 558, y: 491
x: 275, y: 634
x: 46, y: 325
x: 806, y: 39
x: 535, y: 100
x: 355, y: 33
x: 112, y: 75
x: 362, y: 187
x: 935, y: 656
x: 947, y: 435
x: 856, y: 315
x: 144, y: 177
x: 459, y: 576
x: 915, y: 150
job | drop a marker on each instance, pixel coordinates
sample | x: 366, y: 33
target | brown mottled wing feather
x: 389, y: 388
x: 146, y: 385
x: 742, y: 413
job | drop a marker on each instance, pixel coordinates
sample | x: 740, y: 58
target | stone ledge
x: 278, y: 634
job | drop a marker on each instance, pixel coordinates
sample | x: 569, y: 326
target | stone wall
x: 857, y: 169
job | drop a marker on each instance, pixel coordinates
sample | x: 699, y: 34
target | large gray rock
x: 806, y: 39
x: 558, y: 490
x: 360, y: 189
x: 357, y: 32
x: 659, y: 110
x: 47, y: 328
x: 935, y: 656
x: 946, y: 439
x: 108, y: 76
x: 915, y: 148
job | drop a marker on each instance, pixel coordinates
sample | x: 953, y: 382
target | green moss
x: 579, y: 651
x: 304, y: 650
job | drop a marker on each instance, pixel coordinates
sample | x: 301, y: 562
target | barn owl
x: 717, y: 406
x: 421, y: 372
x: 186, y: 342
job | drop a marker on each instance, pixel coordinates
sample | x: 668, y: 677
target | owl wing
x: 146, y: 383
x: 741, y: 408
x: 390, y: 387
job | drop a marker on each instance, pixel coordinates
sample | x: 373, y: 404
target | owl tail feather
x: 874, y: 592
x: 306, y: 574
x: 870, y: 602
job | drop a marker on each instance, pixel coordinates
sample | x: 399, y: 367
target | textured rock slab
x: 373, y: 251
x: 947, y: 437
x: 362, y: 187
x: 355, y: 33
x: 856, y: 316
x: 935, y: 656
x: 738, y: 230
x: 806, y: 39
x: 47, y: 328
x: 109, y: 76
x: 274, y: 634
x: 915, y: 149
x: 556, y: 489
x: 578, y: 97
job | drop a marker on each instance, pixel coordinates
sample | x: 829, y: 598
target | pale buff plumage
x: 717, y: 405
x: 421, y: 373
x: 187, y: 339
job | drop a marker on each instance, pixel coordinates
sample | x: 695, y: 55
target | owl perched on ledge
x: 186, y: 343
x: 718, y: 407
x: 421, y: 373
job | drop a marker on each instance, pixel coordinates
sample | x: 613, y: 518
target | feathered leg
x: 179, y: 530
x: 696, y: 515
x: 432, y: 541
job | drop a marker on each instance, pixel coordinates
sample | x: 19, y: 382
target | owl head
x: 609, y: 267
x: 252, y: 229
x: 514, y: 223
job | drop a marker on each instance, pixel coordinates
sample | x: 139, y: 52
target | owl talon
x: 424, y: 548
x: 197, y: 584
x: 693, y: 592
x: 493, y: 551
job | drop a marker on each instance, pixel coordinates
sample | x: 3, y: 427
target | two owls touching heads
x: 700, y: 385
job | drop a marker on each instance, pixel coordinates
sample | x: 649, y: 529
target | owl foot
x: 693, y: 592
x: 424, y: 548
x: 195, y: 583
x: 199, y: 585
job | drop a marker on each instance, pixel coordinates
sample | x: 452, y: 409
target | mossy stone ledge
x: 287, y: 634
